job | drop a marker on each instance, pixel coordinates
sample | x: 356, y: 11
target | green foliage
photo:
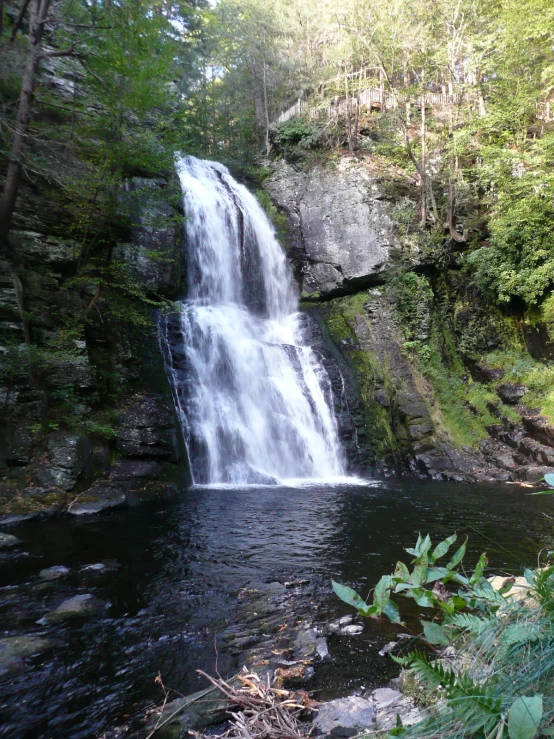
x: 278, y: 218
x: 296, y: 132
x: 537, y: 377
x: 412, y: 296
x: 501, y: 680
x: 421, y: 585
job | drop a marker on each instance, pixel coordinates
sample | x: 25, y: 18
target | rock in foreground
x: 8, y: 541
x: 15, y: 649
x: 80, y: 606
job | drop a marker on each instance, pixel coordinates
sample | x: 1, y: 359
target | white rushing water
x: 254, y: 401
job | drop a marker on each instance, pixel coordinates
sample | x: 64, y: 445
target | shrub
x: 296, y: 132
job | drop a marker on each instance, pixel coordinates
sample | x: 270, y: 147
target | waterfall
x: 254, y: 401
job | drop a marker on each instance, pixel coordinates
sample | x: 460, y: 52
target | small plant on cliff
x: 500, y: 682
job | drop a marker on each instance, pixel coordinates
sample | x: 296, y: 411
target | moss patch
x: 538, y: 377
x: 368, y: 372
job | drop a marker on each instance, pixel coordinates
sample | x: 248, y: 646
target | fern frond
x: 476, y: 704
x: 472, y: 623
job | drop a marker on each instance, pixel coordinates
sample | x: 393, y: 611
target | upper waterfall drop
x: 255, y: 402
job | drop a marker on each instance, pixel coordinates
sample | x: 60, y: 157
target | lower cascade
x: 254, y: 401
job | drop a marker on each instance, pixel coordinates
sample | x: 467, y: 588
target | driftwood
x: 260, y: 710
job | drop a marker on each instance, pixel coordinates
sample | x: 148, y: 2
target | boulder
x: 345, y: 717
x: 390, y: 705
x: 341, y: 221
x: 66, y: 458
x: 14, y: 650
x: 536, y: 474
x: 99, y: 497
x: 510, y: 392
x: 80, y: 606
x: 538, y: 428
x: 8, y: 541
x: 54, y: 573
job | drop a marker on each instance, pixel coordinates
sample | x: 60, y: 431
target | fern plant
x: 500, y: 682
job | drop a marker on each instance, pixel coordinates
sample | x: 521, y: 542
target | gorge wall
x: 437, y: 382
x: 86, y: 417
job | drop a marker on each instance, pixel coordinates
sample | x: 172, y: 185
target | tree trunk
x: 1, y: 17
x: 454, y: 235
x: 423, y: 166
x: 19, y: 20
x: 39, y: 14
x: 348, y: 121
x: 266, y: 112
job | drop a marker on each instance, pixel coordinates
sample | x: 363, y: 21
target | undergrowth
x: 487, y: 662
x: 538, y: 378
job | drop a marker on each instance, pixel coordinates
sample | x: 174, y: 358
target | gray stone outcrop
x: 341, y: 223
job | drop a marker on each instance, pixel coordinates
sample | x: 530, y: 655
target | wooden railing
x: 379, y: 99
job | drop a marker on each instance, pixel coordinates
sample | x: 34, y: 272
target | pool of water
x: 175, y: 576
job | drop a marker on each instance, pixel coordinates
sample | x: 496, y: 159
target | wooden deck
x: 377, y: 99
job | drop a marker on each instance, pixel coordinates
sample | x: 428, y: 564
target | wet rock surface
x: 147, y: 430
x: 16, y: 651
x: 79, y: 606
x: 155, y: 259
x: 8, y: 541
x: 54, y: 573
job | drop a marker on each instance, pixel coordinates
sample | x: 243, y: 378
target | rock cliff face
x: 341, y: 223
x: 407, y: 380
x: 90, y: 425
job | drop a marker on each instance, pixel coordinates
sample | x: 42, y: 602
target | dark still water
x: 177, y: 575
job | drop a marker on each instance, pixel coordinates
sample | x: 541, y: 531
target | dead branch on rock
x: 263, y: 712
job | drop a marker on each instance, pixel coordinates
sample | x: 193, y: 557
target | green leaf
x: 424, y: 546
x: 423, y: 598
x: 392, y: 613
x: 436, y: 573
x: 441, y: 549
x: 524, y: 717
x: 543, y: 492
x: 381, y: 594
x: 529, y: 576
x: 520, y: 633
x: 401, y: 586
x: 349, y: 596
x: 459, y: 602
x: 457, y: 557
x: 419, y: 575
x: 435, y: 633
x: 400, y: 660
x: 401, y: 571
x: 479, y: 569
